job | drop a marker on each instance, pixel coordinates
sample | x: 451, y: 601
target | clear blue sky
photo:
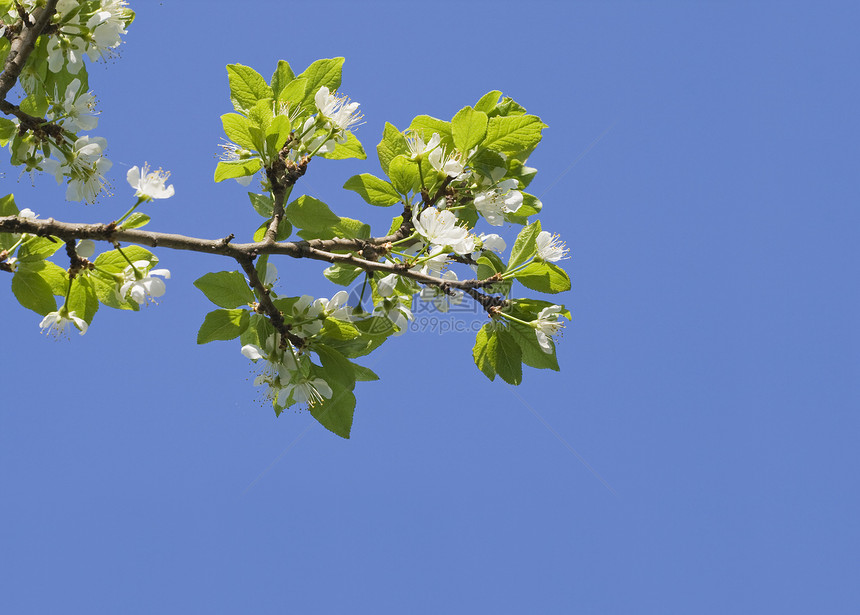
x: 709, y: 377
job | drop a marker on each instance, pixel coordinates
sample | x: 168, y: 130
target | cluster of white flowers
x: 139, y: 285
x: 338, y: 112
x: 501, y: 198
x: 94, y: 33
x: 284, y: 377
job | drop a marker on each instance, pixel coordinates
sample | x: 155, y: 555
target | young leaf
x: 337, y: 367
x: 525, y: 245
x: 38, y: 248
x: 226, y: 289
x: 469, y: 128
x: 404, y: 174
x: 513, y: 135
x: 236, y: 129
x: 426, y: 125
x: 544, y: 277
x: 488, y: 101
x: 507, y: 357
x: 393, y: 144
x: 336, y: 414
x: 481, y: 351
x: 282, y: 76
x: 136, y: 220
x: 247, y: 86
x: 306, y: 212
x: 262, y: 204
x: 32, y: 291
x: 325, y: 72
x: 223, y: 325
x: 351, y: 148
x: 236, y: 168
x: 342, y: 274
x: 372, y: 189
x: 83, y: 300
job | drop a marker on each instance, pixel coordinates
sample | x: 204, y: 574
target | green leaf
x: 363, y: 374
x: 481, y: 350
x: 136, y: 220
x: 508, y: 106
x: 83, y: 300
x: 352, y: 148
x: 519, y: 171
x: 336, y: 414
x: 337, y: 367
x: 346, y: 227
x: 226, y: 289
x: 513, y: 135
x: 533, y: 355
x: 56, y: 277
x: 294, y: 93
x: 260, y: 116
x: 306, y: 212
x: 325, y: 72
x: 277, y: 135
x: 7, y: 130
x: 339, y: 329
x: 282, y: 76
x: 372, y: 189
x: 404, y: 174
x: 342, y: 274
x: 469, y: 128
x: 393, y: 144
x: 544, y: 277
x: 223, y: 325
x: 525, y: 246
x: 38, y: 248
x: 488, y: 101
x: 8, y: 208
x: 262, y: 204
x: 247, y: 86
x: 236, y: 128
x: 507, y: 357
x: 285, y: 229
x: 32, y: 291
x: 112, y: 262
x: 236, y: 168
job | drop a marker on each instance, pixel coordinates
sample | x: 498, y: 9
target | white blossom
x: 450, y: 165
x: 492, y: 242
x: 139, y: 283
x: 56, y: 323
x: 337, y: 109
x: 310, y: 391
x: 546, y: 325
x: 149, y: 185
x: 495, y: 202
x: 396, y: 312
x: 86, y: 248
x: 416, y: 146
x: 440, y: 228
x: 337, y: 306
x: 550, y: 247
x: 77, y: 108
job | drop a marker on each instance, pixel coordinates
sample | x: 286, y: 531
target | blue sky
x: 696, y: 454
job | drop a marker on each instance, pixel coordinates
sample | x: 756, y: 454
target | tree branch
x: 315, y: 249
x: 23, y: 44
